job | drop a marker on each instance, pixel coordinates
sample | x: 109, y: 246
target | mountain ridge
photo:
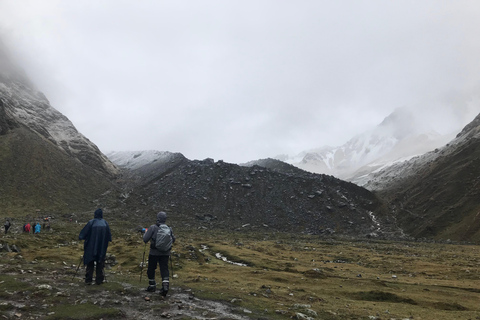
x: 434, y: 195
x: 45, y: 163
x: 398, y: 136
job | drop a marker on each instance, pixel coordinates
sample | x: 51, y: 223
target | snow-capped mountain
x: 22, y: 105
x: 397, y: 137
x: 387, y: 177
x: 45, y: 163
x: 436, y: 194
x: 136, y: 159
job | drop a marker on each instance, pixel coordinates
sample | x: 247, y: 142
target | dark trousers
x: 6, y: 229
x: 99, y: 273
x: 162, y: 261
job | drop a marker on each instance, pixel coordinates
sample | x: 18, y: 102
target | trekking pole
x: 78, y: 267
x: 143, y: 261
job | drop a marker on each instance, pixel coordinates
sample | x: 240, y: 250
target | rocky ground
x: 219, y: 195
x: 38, y: 291
x: 275, y: 276
x: 39, y: 281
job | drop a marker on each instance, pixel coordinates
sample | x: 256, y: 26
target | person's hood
x: 98, y: 214
x: 161, y: 217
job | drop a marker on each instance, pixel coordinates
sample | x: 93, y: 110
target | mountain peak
x: 400, y: 135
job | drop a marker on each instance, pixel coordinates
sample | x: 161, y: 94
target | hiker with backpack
x: 161, y: 240
x: 97, y: 235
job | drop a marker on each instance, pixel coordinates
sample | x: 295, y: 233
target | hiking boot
x: 152, y: 286
x: 165, y: 285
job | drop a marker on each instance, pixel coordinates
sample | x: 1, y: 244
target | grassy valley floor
x: 274, y: 276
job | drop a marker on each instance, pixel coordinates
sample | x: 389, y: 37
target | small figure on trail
x: 7, y: 225
x: 26, y: 227
x: 96, y: 234
x: 37, y: 227
x: 161, y: 239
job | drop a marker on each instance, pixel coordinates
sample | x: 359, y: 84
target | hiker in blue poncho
x: 159, y: 256
x: 37, y: 228
x: 96, y: 234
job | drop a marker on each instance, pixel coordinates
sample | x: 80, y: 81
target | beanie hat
x: 161, y: 217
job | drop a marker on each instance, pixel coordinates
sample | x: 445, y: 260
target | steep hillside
x: 436, y: 195
x: 36, y: 175
x: 45, y: 163
x: 221, y: 195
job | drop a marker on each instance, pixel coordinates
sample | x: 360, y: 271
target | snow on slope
x: 135, y: 159
x: 382, y: 177
x: 22, y: 104
x: 398, y: 137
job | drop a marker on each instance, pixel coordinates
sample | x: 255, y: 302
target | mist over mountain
x: 46, y: 164
x: 401, y: 135
x: 45, y: 161
x: 436, y: 194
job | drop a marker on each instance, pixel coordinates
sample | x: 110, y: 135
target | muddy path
x: 32, y: 291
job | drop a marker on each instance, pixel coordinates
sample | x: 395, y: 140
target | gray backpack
x: 163, y: 240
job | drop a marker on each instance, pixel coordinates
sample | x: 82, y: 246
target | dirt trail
x: 181, y: 304
x: 30, y: 293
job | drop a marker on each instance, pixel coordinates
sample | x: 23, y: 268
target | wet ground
x: 31, y: 291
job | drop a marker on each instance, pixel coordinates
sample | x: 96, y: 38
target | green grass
x: 13, y: 286
x: 86, y: 311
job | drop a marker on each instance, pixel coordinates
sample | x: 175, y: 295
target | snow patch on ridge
x: 26, y: 106
x: 398, y: 138
x: 135, y: 159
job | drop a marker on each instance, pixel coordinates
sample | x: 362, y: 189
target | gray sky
x: 243, y: 80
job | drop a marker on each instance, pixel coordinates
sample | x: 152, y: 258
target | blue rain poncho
x: 96, y: 234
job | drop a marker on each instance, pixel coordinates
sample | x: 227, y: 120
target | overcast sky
x: 248, y: 79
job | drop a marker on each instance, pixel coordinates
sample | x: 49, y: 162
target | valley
x: 282, y: 276
x: 263, y: 240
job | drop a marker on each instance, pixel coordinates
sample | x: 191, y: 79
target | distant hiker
x: 7, y: 225
x: 96, y: 234
x: 161, y: 239
x: 37, y: 228
x: 26, y: 228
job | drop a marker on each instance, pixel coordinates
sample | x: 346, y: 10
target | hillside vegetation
x: 37, y: 175
x: 436, y: 195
